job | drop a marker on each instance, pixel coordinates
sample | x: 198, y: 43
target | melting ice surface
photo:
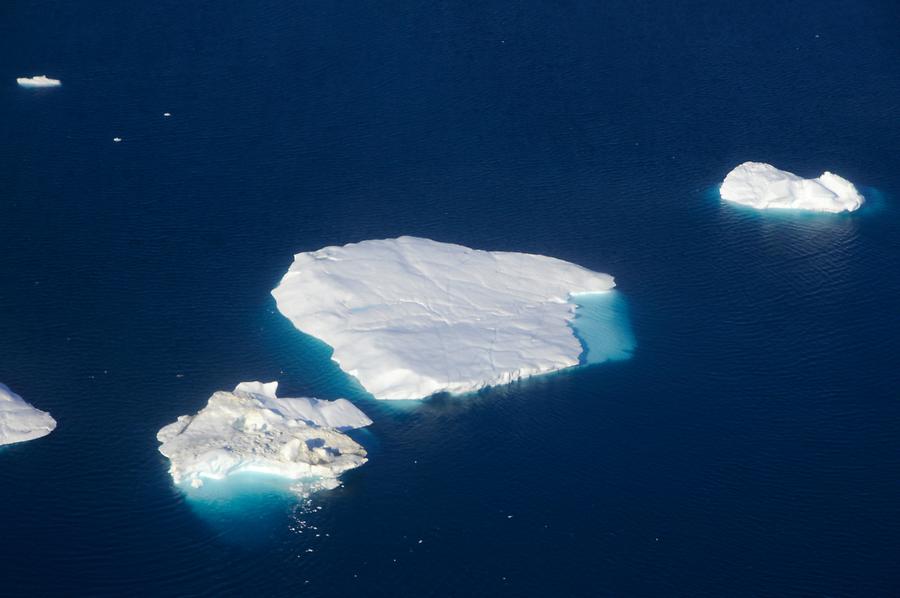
x: 19, y: 421
x: 762, y: 186
x: 251, y: 430
x: 412, y: 317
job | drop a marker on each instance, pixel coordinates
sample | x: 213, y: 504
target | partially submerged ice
x: 19, y: 421
x: 251, y: 430
x: 38, y: 81
x: 763, y: 186
x: 411, y: 317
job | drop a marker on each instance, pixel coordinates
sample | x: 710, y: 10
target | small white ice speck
x: 117, y: 139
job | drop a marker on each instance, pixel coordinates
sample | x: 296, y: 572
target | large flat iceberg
x: 411, y: 317
x: 252, y: 430
x: 38, y: 81
x: 762, y: 186
x: 19, y: 421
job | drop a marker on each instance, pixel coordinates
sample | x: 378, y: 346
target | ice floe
x: 19, y: 421
x: 410, y: 317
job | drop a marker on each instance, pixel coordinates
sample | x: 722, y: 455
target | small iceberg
x: 38, y: 81
x: 19, y: 421
x: 251, y: 430
x: 411, y: 317
x: 763, y: 186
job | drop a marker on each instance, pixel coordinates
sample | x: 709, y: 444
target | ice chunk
x: 763, y: 186
x: 38, y: 81
x: 19, y: 421
x: 411, y: 317
x: 252, y: 430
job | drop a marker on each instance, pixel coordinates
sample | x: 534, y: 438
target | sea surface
x: 749, y: 445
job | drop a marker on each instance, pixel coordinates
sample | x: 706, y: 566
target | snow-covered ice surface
x: 761, y: 186
x: 19, y: 421
x: 251, y: 430
x: 411, y: 317
x: 38, y: 81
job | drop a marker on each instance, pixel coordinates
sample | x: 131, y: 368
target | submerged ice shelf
x: 19, y: 421
x: 603, y: 326
x: 763, y: 186
x: 411, y: 317
x: 251, y: 430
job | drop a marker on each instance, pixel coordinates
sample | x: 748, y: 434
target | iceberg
x: 19, y: 421
x: 38, y: 81
x: 251, y: 430
x: 761, y: 186
x: 411, y: 317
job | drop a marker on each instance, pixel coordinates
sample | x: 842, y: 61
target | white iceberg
x: 38, y: 81
x: 763, y: 186
x: 252, y: 430
x: 19, y: 421
x: 411, y: 317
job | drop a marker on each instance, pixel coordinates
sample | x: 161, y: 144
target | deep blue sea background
x: 749, y: 447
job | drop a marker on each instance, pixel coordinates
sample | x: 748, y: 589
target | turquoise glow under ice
x: 603, y: 326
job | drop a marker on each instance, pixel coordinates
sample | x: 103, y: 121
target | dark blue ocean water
x: 748, y: 447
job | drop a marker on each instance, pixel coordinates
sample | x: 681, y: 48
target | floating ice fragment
x: 253, y: 430
x: 19, y: 421
x: 38, y: 81
x: 761, y: 186
x: 411, y: 317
